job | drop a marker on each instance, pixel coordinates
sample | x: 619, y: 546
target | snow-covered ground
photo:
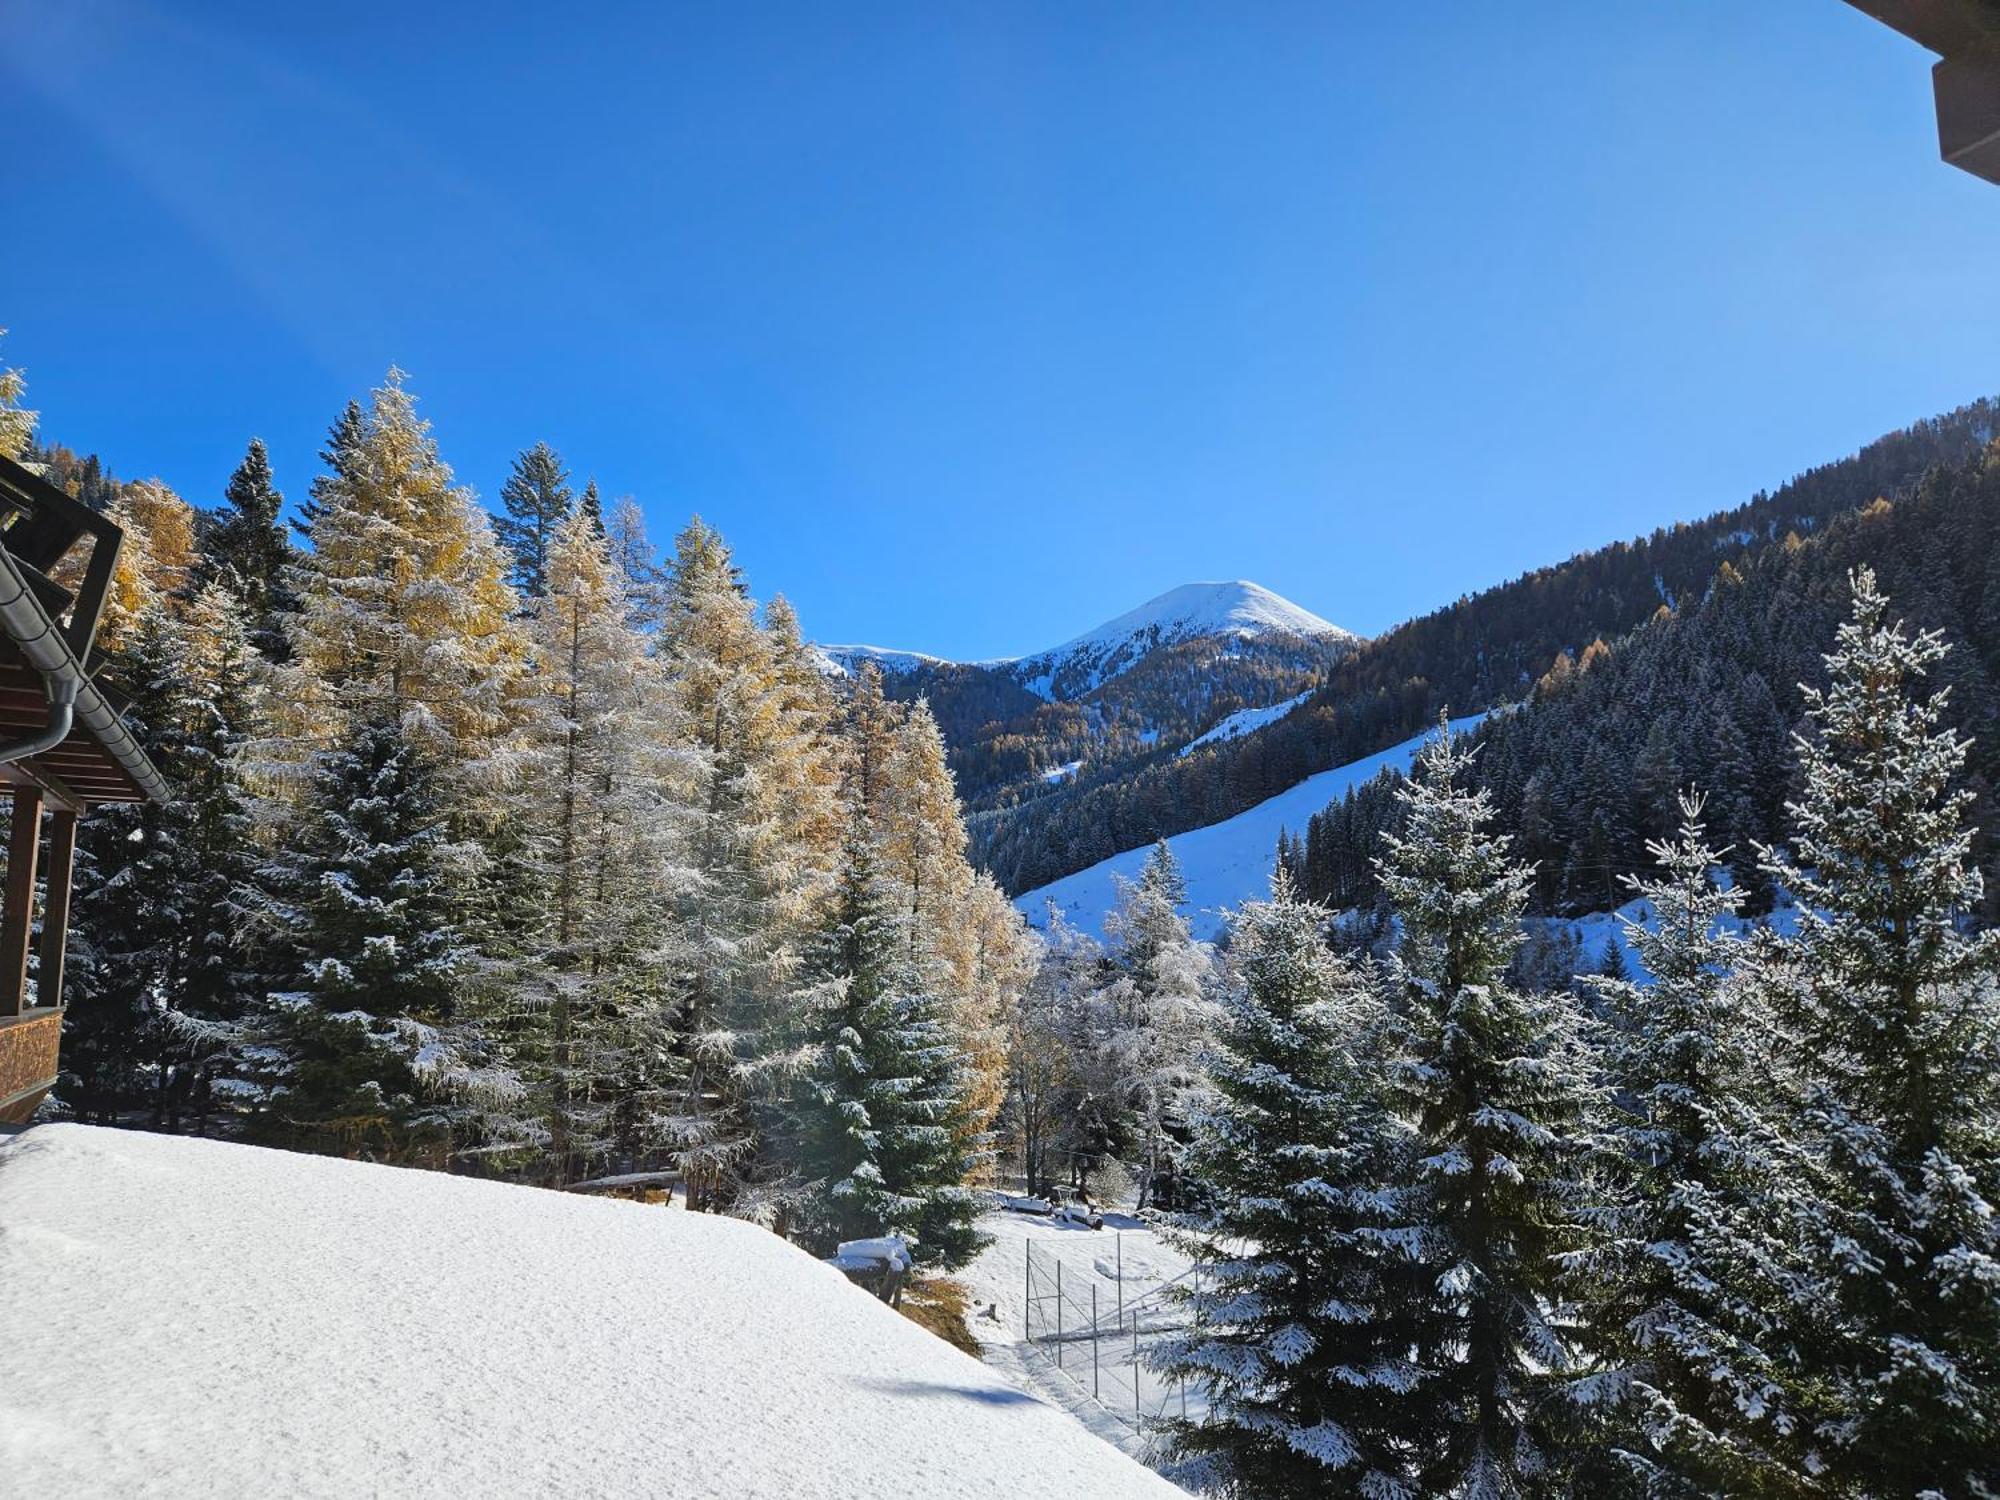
x: 999, y: 1276
x: 1596, y: 930
x: 1226, y: 863
x: 1122, y: 1271
x: 1243, y: 721
x: 186, y: 1317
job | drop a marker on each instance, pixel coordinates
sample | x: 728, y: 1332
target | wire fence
x: 1088, y: 1327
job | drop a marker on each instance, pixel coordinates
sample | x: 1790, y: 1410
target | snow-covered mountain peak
x: 1233, y: 607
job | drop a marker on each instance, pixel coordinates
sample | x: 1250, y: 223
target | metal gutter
x: 62, y: 713
x: 43, y: 647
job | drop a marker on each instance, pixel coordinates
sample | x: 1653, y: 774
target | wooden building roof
x: 1965, y: 34
x: 47, y: 631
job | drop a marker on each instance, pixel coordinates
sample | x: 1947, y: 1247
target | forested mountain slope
x: 1711, y: 694
x: 1153, y: 678
x: 1480, y: 652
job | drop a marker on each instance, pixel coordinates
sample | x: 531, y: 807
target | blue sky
x: 971, y: 326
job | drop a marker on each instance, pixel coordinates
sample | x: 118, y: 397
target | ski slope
x: 194, y: 1318
x: 1226, y: 863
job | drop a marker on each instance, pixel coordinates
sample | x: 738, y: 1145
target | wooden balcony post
x: 55, y: 907
x: 17, y: 913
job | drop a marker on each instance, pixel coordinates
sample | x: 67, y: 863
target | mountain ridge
x: 1153, y: 678
x: 1208, y: 608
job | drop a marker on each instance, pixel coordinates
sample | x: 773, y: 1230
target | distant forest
x: 1676, y: 656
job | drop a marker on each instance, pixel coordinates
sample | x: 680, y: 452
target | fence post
x: 1058, y: 1312
x: 1093, y: 1341
x: 1121, y: 1278
x: 1137, y: 1413
x: 1028, y: 1295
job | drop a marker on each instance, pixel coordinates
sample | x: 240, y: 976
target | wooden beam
x: 17, y: 911
x: 61, y: 794
x: 55, y: 907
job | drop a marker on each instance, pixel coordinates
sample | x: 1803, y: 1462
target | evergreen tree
x: 1612, y: 965
x: 1165, y: 1016
x: 591, y: 506
x: 340, y: 455
x: 1677, y: 1355
x: 1890, y: 1016
x: 538, y: 499
x: 1301, y: 1330
x: 247, y: 549
x: 364, y: 899
x: 1495, y: 1086
x: 159, y: 981
x: 877, y: 1114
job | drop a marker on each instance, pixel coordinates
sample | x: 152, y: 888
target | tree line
x: 506, y: 845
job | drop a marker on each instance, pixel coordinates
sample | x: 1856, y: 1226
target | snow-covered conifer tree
x: 159, y: 980
x: 17, y: 423
x: 403, y: 601
x: 1676, y: 1357
x: 877, y: 1112
x: 604, y: 817
x: 740, y: 916
x: 1496, y: 1086
x: 1891, y: 1022
x: 1302, y: 1331
x: 248, y: 549
x: 1165, y: 1011
x: 363, y: 903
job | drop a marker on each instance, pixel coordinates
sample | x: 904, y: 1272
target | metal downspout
x: 61, y: 688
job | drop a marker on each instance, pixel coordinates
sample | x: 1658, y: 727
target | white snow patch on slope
x: 1062, y: 772
x: 1226, y: 863
x: 1597, y: 930
x: 1243, y: 721
x: 196, y: 1318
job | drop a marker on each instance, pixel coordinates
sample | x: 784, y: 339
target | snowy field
x: 187, y: 1317
x: 1226, y: 863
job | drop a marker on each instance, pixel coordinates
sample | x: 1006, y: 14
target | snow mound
x: 196, y: 1318
x: 1226, y: 863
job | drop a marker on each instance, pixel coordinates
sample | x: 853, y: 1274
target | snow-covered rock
x: 1226, y: 863
x: 186, y: 1317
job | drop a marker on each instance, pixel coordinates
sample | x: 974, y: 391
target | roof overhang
x: 100, y: 759
x: 1965, y: 34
